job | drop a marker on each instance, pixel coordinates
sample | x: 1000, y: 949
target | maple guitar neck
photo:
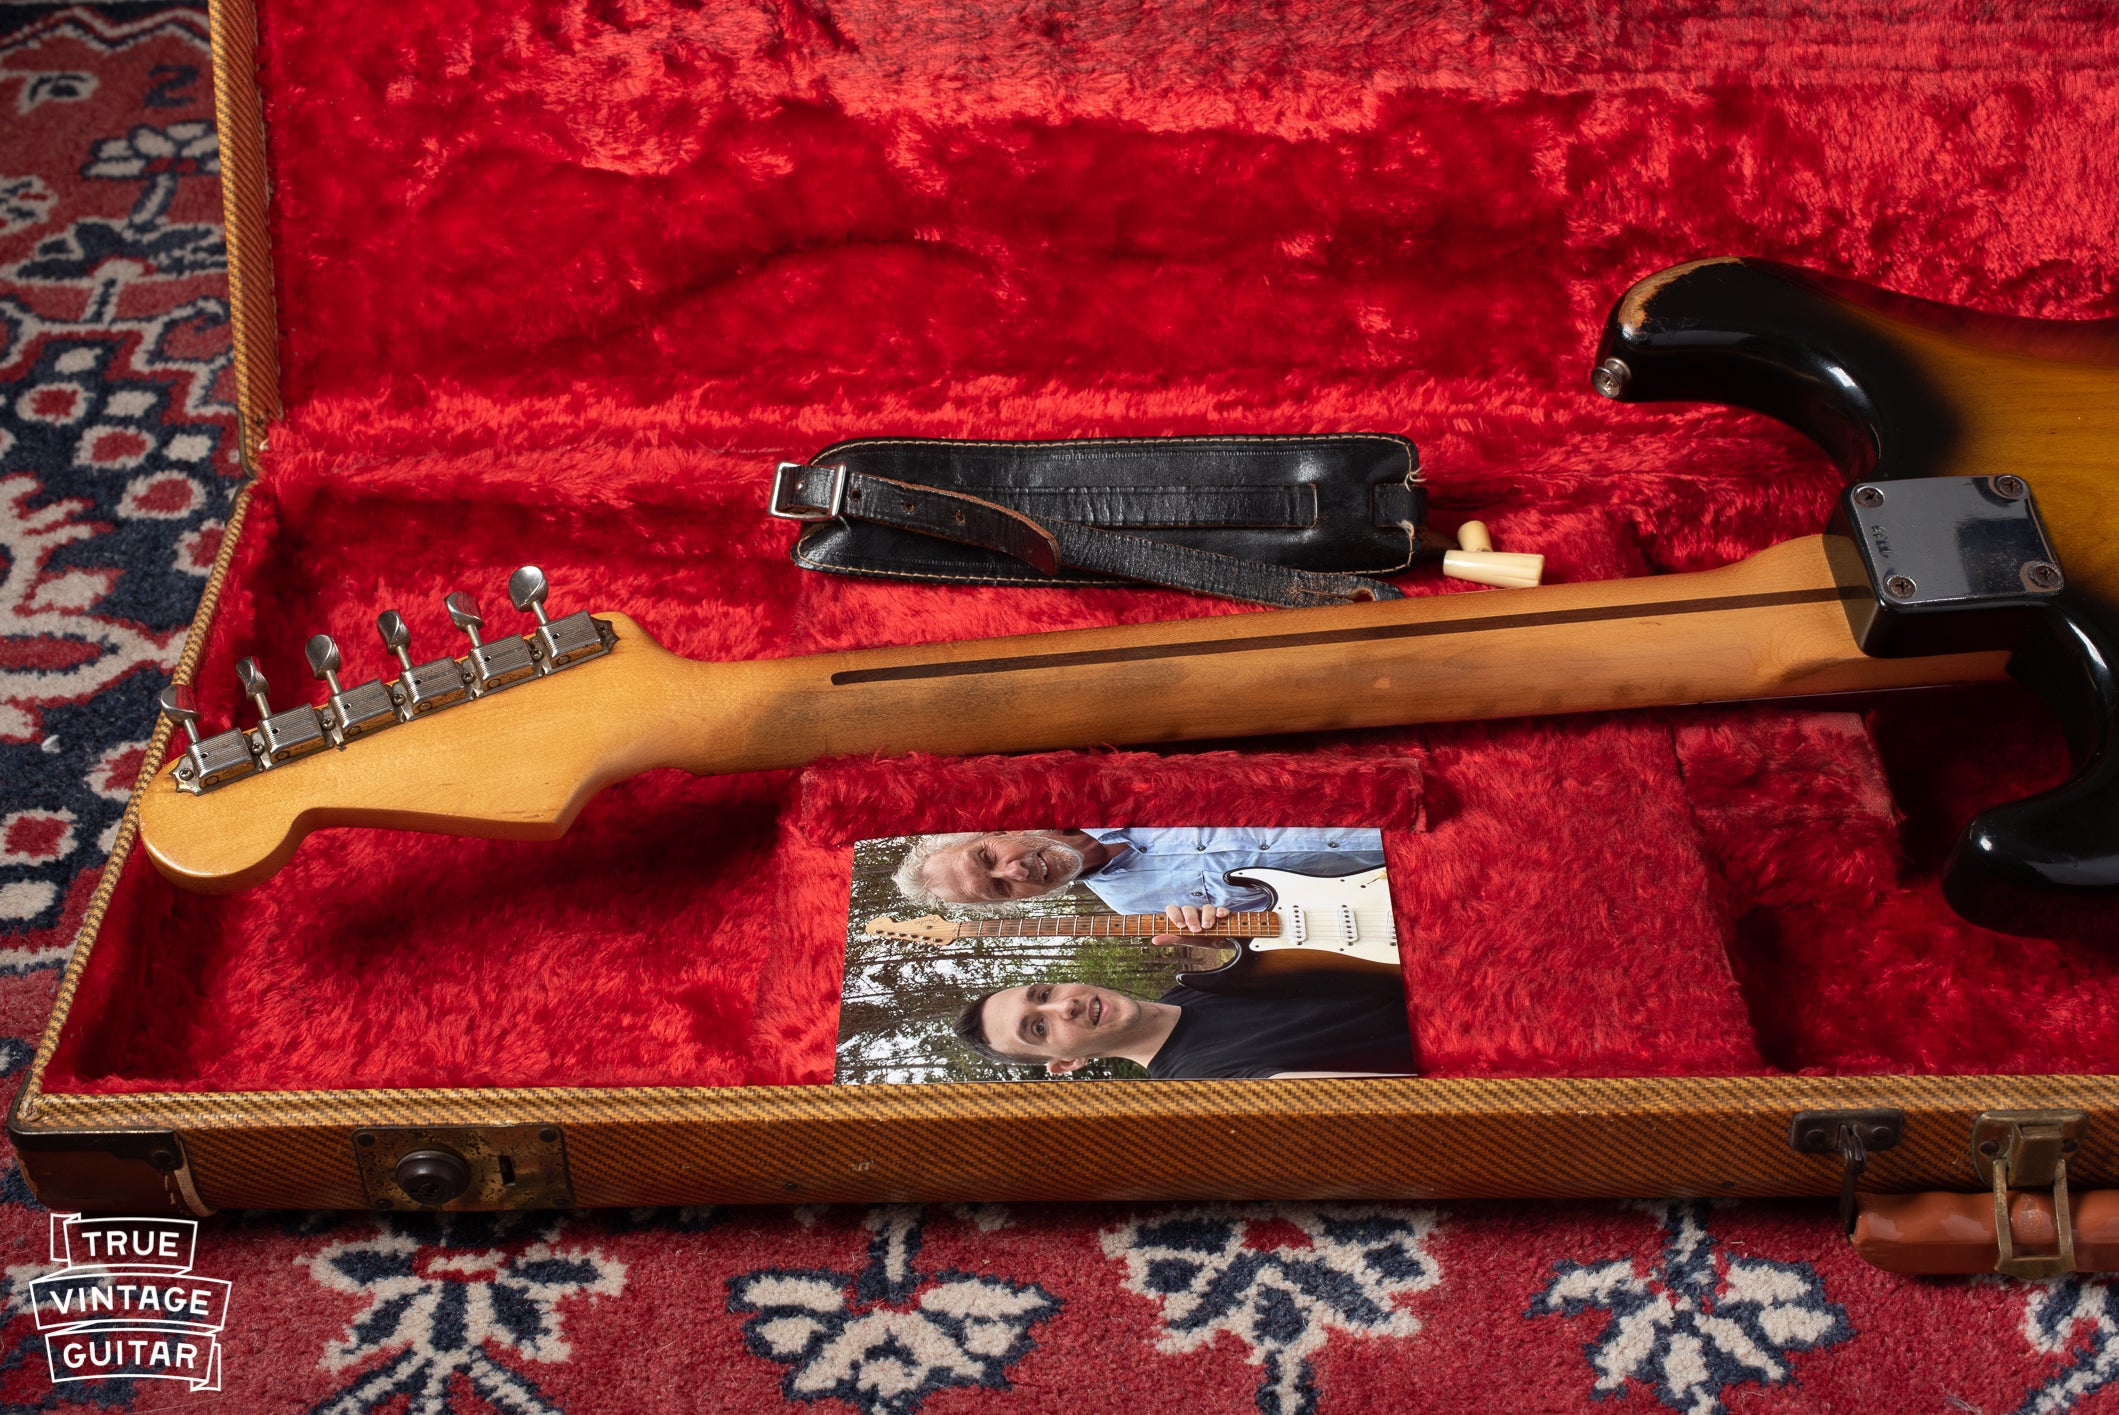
x: 1771, y: 626
x: 522, y: 767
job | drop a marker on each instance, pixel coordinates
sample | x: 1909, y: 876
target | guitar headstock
x: 431, y: 748
x: 928, y: 928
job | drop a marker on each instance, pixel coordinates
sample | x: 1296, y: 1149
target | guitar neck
x: 1772, y: 626
x: 521, y: 767
x: 1256, y: 924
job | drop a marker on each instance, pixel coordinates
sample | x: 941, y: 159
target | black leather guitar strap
x: 1284, y: 521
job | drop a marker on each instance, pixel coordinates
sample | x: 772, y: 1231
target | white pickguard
x: 1347, y: 914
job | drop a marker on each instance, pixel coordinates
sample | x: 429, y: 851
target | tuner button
x: 323, y: 656
x: 254, y: 686
x: 463, y: 610
x: 182, y: 706
x: 526, y: 590
x: 323, y: 661
x: 396, y: 637
x: 179, y: 702
x: 253, y: 680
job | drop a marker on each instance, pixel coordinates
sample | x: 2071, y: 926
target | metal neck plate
x: 1952, y: 564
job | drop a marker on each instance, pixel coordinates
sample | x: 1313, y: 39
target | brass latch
x: 2029, y: 1149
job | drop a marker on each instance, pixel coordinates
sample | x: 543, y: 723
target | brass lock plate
x: 2029, y: 1149
x: 2032, y: 1142
x: 501, y: 1166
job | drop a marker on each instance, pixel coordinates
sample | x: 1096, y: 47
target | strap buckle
x: 786, y: 504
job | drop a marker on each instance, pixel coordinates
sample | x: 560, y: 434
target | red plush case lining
x: 558, y: 284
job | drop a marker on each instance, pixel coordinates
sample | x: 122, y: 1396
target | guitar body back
x: 1894, y: 389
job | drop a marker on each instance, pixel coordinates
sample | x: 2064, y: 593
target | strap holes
x: 909, y: 507
x: 854, y: 495
x: 958, y: 516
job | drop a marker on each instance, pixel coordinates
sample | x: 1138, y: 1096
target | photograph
x: 1193, y: 953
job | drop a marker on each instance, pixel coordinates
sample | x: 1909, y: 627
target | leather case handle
x: 1954, y: 1233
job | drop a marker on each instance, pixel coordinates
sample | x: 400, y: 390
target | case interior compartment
x: 1688, y: 892
x: 559, y: 283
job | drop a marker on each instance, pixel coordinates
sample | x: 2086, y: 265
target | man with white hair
x: 1180, y: 873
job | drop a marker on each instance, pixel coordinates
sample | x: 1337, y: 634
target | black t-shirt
x: 1349, y: 1023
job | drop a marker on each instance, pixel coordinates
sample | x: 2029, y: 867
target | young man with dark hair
x: 1324, y: 1024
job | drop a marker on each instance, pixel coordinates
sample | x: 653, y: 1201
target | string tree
x: 182, y: 706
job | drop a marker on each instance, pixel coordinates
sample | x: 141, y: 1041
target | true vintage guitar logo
x: 125, y: 1303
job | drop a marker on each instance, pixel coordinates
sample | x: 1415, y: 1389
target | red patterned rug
x: 116, y: 457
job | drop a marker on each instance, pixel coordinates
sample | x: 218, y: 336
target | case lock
x: 412, y: 1167
x: 2029, y: 1149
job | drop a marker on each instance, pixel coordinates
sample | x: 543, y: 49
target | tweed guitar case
x: 560, y: 283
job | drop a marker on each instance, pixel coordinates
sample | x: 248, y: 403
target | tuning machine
x: 489, y: 667
x: 351, y: 712
x: 557, y: 642
x: 419, y: 688
x: 211, y: 761
x: 280, y: 736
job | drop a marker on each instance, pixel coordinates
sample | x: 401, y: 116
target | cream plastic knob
x: 1494, y: 567
x: 1472, y: 536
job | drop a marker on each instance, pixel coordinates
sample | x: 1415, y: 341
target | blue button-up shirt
x: 1186, y: 865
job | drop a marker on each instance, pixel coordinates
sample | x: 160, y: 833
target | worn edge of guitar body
x: 1412, y: 1138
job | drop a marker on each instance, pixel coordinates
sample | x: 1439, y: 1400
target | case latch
x: 2029, y: 1149
x: 463, y: 1166
x: 1852, y: 1135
